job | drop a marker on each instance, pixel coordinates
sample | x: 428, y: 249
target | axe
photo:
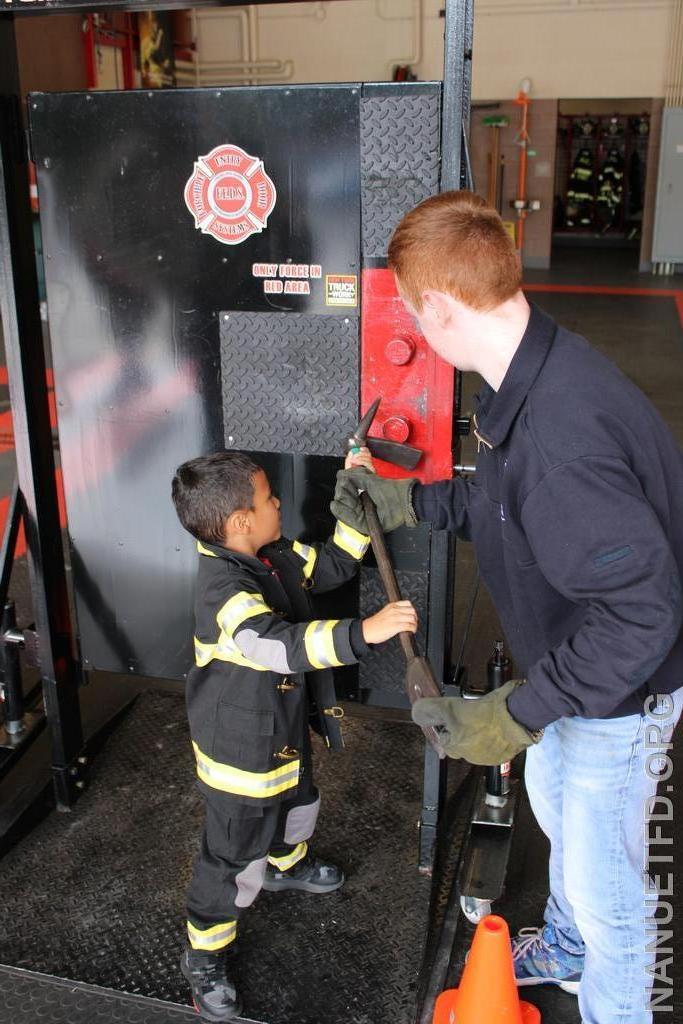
x: 419, y: 679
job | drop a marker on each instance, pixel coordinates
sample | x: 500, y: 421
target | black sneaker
x: 214, y: 995
x: 308, y: 875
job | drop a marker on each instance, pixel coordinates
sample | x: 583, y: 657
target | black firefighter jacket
x: 576, y: 515
x: 255, y: 640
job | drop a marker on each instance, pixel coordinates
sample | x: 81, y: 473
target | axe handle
x: 386, y: 569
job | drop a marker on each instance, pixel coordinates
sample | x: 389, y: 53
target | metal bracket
x: 487, y: 852
x: 69, y: 782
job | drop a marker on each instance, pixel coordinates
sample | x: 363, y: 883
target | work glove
x: 391, y: 497
x: 482, y: 731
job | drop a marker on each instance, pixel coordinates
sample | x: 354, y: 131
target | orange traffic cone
x: 487, y: 992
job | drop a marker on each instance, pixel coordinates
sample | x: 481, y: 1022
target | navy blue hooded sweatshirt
x: 576, y: 515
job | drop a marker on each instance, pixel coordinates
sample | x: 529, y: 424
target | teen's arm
x: 446, y: 505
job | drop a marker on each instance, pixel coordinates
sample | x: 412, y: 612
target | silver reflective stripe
x: 301, y: 823
x: 249, y: 882
x: 318, y: 643
x: 225, y: 650
x: 239, y: 608
x: 350, y: 540
x: 213, y: 938
x: 243, y: 783
x: 290, y: 859
x: 309, y: 555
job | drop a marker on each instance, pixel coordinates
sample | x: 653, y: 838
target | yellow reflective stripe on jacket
x: 242, y: 783
x: 239, y: 608
x: 205, y: 551
x: 288, y: 861
x: 319, y: 643
x: 350, y: 540
x: 216, y: 937
x: 224, y: 650
x: 309, y: 556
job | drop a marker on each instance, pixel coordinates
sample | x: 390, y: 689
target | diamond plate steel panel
x: 400, y: 155
x: 290, y: 381
x: 26, y: 998
x: 384, y: 668
x: 105, y: 903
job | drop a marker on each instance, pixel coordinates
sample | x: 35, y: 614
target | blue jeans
x: 590, y: 783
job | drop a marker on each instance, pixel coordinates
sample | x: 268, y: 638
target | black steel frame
x: 60, y: 669
x: 20, y: 310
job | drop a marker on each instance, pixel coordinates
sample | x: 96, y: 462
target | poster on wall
x: 157, y: 65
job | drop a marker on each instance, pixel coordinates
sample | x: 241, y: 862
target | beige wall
x: 576, y: 48
x: 588, y: 48
x: 568, y: 48
x: 541, y: 168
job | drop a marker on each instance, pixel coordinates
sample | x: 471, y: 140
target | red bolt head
x: 396, y: 428
x: 400, y: 351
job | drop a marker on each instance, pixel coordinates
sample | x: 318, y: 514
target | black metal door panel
x: 135, y: 291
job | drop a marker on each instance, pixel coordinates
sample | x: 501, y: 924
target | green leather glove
x: 347, y: 505
x: 482, y: 731
x: 392, y: 498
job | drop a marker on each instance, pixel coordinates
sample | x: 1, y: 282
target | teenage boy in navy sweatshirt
x: 576, y: 515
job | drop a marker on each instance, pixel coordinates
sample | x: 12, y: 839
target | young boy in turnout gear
x: 576, y: 515
x: 248, y: 701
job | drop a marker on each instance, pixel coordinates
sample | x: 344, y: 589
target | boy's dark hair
x: 207, y: 490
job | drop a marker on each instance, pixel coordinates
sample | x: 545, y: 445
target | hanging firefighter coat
x: 580, y: 193
x: 256, y: 639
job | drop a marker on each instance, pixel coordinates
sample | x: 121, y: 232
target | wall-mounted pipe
x: 417, y: 17
x: 674, y: 72
x: 187, y: 71
x: 312, y: 12
x: 249, y: 70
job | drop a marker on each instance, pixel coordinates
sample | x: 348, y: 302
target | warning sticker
x: 296, y: 275
x: 341, y: 290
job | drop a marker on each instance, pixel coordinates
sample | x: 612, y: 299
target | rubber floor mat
x: 97, y: 895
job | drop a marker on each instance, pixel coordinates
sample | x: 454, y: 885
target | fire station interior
x: 135, y: 348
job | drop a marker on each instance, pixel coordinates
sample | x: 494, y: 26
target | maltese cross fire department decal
x: 229, y: 194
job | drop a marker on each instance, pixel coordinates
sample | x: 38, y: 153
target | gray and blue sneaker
x: 539, y: 960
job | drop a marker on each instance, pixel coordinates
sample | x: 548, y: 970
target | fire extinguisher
x: 498, y: 672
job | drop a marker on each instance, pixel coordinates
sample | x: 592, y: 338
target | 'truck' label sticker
x: 341, y: 290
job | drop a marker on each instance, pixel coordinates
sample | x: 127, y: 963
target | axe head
x: 398, y: 454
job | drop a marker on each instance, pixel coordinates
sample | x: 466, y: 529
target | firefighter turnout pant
x: 236, y: 846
